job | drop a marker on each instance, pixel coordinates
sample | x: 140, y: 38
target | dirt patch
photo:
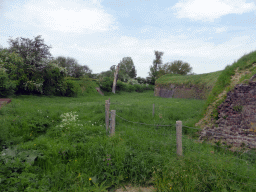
x: 4, y: 101
x: 136, y: 189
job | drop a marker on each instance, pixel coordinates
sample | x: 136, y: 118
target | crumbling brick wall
x: 237, y: 118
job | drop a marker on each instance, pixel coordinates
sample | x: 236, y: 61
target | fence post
x: 107, y: 115
x: 179, y: 137
x: 153, y: 113
x: 113, y: 122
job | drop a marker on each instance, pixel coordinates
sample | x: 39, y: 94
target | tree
x: 158, y: 59
x: 179, y: 67
x: 74, y: 69
x: 13, y: 64
x: 153, y: 69
x: 33, y: 52
x: 126, y: 69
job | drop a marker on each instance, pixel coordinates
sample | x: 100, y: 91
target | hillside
x: 206, y: 79
x: 229, y: 89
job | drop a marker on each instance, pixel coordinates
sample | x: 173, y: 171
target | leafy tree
x: 154, y: 69
x: 158, y: 59
x: 178, y: 67
x: 126, y: 69
x: 13, y: 64
x: 33, y: 52
x: 141, y: 80
x: 6, y: 86
x: 74, y: 69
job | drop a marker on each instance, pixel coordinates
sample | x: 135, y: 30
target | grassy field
x: 207, y: 79
x: 60, y: 144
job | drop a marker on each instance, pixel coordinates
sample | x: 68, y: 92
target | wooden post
x: 179, y: 137
x: 107, y: 115
x: 153, y: 113
x: 113, y: 122
x: 115, y: 79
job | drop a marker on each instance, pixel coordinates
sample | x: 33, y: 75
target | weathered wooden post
x: 113, y: 122
x: 115, y: 79
x: 107, y: 103
x: 179, y: 137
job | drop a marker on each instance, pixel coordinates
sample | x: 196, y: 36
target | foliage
x: 6, y: 86
x: 13, y: 63
x: 74, y: 69
x: 126, y: 69
x: 53, y: 75
x: 238, y: 108
x: 132, y: 82
x: 106, y: 84
x: 141, y: 80
x: 176, y: 67
x: 33, y: 52
x: 153, y: 73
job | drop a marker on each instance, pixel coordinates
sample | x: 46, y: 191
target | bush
x: 120, y: 86
x: 141, y: 80
x: 130, y: 88
x: 53, y: 76
x: 132, y: 82
x: 106, y: 84
x: 13, y: 64
x: 6, y: 86
x: 72, y: 89
x: 138, y: 88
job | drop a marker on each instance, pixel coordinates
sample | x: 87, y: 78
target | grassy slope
x: 207, y: 79
x: 219, y: 80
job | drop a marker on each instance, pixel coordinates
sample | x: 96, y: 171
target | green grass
x: 52, y: 149
x: 206, y: 80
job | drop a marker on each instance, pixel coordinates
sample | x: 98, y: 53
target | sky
x: 207, y: 34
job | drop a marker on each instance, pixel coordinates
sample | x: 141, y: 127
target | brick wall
x: 237, y: 118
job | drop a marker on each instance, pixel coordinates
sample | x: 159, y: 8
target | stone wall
x: 182, y: 91
x: 237, y: 118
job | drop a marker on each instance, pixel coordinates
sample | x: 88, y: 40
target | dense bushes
x: 6, y: 86
x: 107, y: 83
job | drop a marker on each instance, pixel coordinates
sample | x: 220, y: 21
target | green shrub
x: 106, y: 84
x: 120, y: 86
x: 72, y: 89
x: 6, y: 86
x: 130, y: 88
x: 53, y: 76
x: 138, y: 88
x: 13, y: 64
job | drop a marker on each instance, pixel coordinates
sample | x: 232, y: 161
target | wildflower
x: 90, y: 179
x: 170, y: 187
x: 75, y: 160
x: 34, y: 144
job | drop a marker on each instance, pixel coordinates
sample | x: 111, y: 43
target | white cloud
x: 220, y: 29
x: 64, y: 16
x: 208, y: 10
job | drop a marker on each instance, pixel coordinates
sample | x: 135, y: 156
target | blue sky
x: 207, y: 34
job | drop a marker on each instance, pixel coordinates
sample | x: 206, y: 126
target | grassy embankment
x: 60, y: 144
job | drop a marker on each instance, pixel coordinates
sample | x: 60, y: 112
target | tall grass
x: 60, y: 144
